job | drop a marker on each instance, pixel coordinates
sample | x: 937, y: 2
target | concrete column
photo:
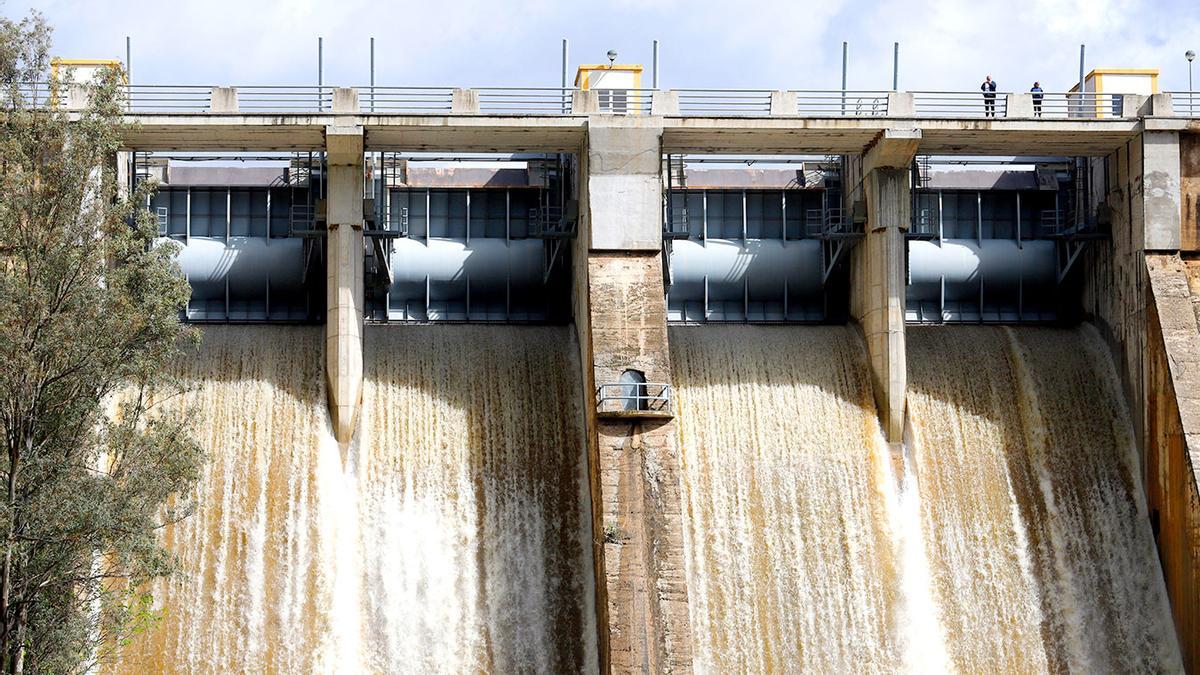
x: 1161, y: 190
x: 877, y: 271
x: 464, y: 102
x: 223, y: 100
x: 344, y: 295
x: 620, y: 316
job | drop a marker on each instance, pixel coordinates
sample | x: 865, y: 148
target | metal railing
x: 168, y: 97
x: 525, y: 100
x: 959, y: 104
x: 841, y: 103
x: 1185, y: 103
x: 284, y: 98
x: 633, y: 397
x: 739, y: 102
x: 405, y: 99
x: 559, y: 101
x: 27, y: 94
x: 1069, y: 105
x: 625, y: 101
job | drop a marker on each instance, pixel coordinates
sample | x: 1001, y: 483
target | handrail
x: 960, y: 103
x: 405, y: 99
x: 839, y: 103
x: 738, y: 102
x: 636, y: 393
x: 523, y: 100
x: 694, y: 102
x: 1185, y: 103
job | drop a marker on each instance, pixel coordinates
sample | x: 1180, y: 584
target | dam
x: 612, y: 379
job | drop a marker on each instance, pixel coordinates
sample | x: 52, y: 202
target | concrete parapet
x: 664, y: 103
x: 464, y: 102
x: 1019, y: 105
x: 901, y: 104
x: 584, y: 102
x: 344, y: 289
x: 345, y: 101
x: 1160, y: 105
x: 223, y: 100
x: 784, y: 103
x: 78, y: 96
x: 1132, y: 104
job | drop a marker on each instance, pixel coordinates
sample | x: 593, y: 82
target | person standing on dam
x: 1036, y: 90
x: 989, y: 96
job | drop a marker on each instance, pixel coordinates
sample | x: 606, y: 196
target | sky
x: 945, y: 45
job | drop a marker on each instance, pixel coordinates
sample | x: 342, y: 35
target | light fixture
x: 612, y: 56
x: 1190, y: 55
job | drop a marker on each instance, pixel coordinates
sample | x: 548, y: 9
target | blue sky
x: 945, y: 44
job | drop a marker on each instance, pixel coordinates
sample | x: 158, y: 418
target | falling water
x: 787, y: 487
x: 1012, y: 538
x: 1036, y: 526
x: 453, y: 535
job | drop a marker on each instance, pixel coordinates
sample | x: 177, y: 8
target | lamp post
x: 1190, y: 56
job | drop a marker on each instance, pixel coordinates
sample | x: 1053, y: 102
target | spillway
x: 453, y: 535
x: 785, y: 475
x: 1035, y: 521
x: 1010, y: 535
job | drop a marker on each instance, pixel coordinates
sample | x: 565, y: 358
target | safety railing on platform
x: 739, y: 102
x: 285, y: 98
x: 560, y: 101
x: 525, y: 100
x: 1069, y: 105
x: 26, y: 94
x: 959, y: 104
x: 168, y: 97
x: 841, y: 103
x: 405, y: 99
x: 632, y: 398
x: 1185, y: 103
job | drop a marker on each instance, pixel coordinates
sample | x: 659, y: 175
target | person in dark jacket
x: 989, y: 96
x: 1036, y: 90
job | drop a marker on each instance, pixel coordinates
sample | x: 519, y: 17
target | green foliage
x: 89, y: 316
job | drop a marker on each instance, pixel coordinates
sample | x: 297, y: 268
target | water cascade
x: 1012, y: 537
x: 453, y: 535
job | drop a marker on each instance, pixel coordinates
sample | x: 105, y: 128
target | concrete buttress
x: 344, y: 294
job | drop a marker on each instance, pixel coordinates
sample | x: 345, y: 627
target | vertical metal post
x: 129, y: 74
x: 654, y: 71
x: 565, y: 45
x: 320, y: 72
x: 373, y: 79
x: 1082, y: 51
x: 845, y: 57
x: 896, y: 66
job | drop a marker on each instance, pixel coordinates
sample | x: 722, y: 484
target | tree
x: 89, y: 322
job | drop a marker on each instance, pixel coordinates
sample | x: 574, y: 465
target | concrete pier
x: 620, y: 315
x: 344, y: 253
x: 881, y: 180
